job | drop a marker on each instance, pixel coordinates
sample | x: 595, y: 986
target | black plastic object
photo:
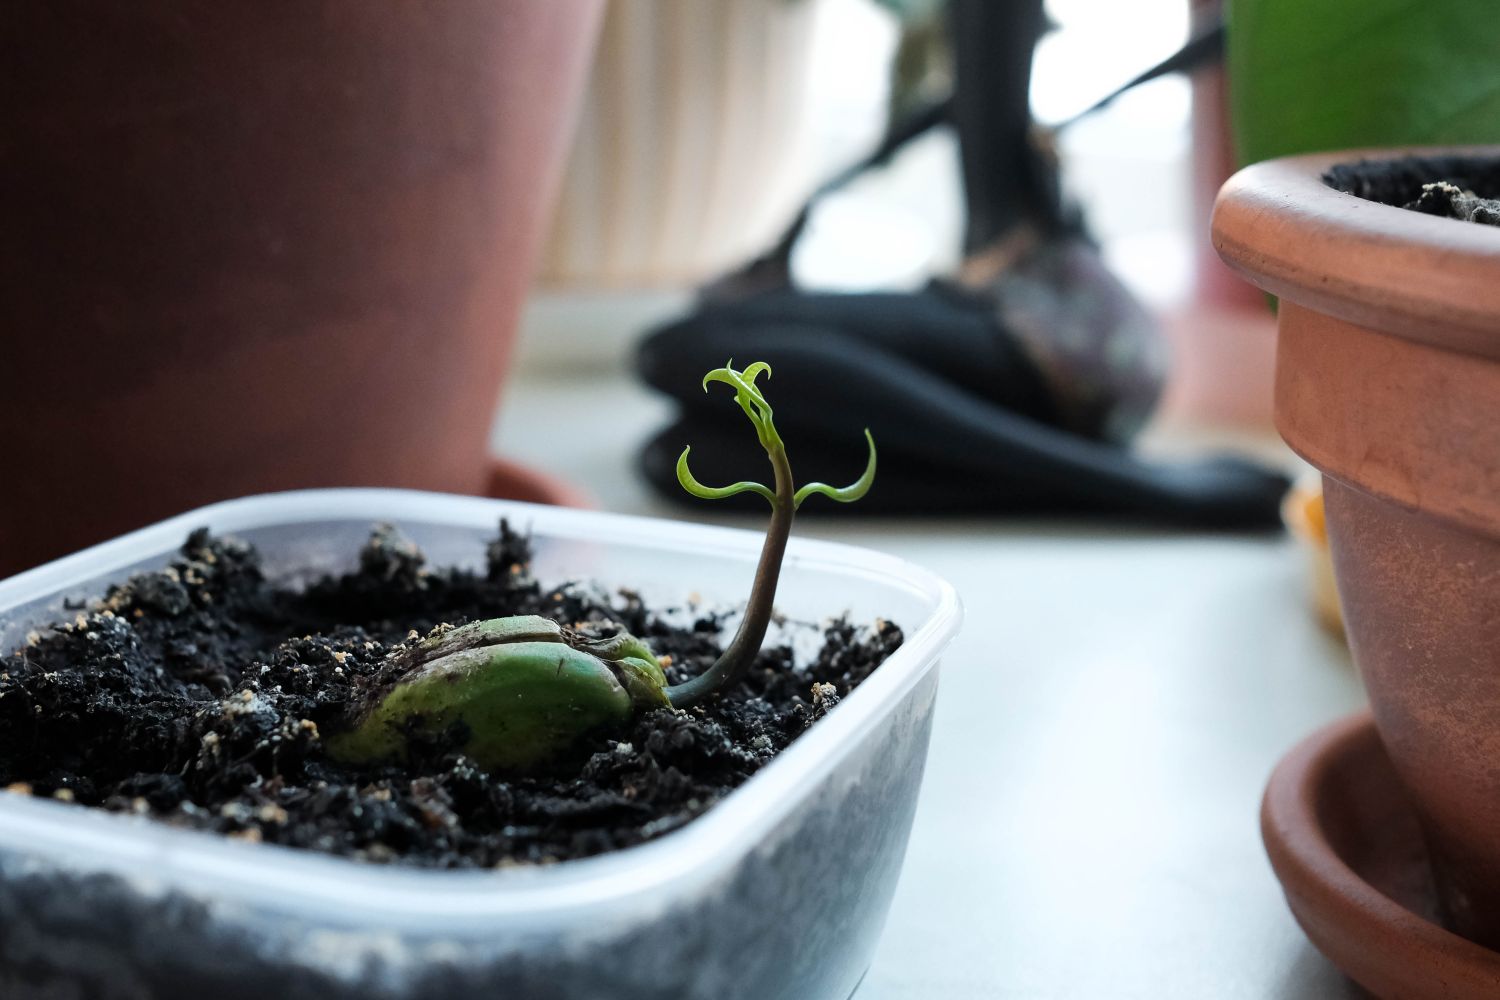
x: 962, y: 420
x: 1020, y: 392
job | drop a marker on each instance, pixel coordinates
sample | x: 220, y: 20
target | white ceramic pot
x: 691, y: 150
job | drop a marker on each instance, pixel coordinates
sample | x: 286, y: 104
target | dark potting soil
x: 1455, y: 187
x: 199, y: 695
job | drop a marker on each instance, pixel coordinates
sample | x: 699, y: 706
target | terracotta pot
x: 256, y: 245
x: 1388, y: 380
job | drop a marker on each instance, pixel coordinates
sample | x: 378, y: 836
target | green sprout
x: 784, y: 503
x: 515, y: 693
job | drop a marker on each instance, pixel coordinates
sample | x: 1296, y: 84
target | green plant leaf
x: 690, y: 483
x: 749, y: 399
x: 846, y: 494
x: 1316, y: 75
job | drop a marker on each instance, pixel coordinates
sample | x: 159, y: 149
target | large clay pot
x: 1388, y: 380
x: 252, y: 245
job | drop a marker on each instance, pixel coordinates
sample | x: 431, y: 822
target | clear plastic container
x: 780, y: 890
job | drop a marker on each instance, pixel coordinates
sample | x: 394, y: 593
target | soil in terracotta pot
x: 1455, y: 187
x: 198, y: 695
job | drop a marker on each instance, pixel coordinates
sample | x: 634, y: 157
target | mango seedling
x: 515, y: 693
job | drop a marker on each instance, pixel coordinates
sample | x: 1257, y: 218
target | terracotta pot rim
x: 1340, y: 911
x: 1421, y: 277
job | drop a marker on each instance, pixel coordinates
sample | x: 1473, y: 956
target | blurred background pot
x: 1223, y: 336
x: 691, y: 144
x: 253, y: 246
x: 1388, y: 380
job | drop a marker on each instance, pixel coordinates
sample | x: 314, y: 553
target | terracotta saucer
x: 1345, y: 844
x: 511, y: 481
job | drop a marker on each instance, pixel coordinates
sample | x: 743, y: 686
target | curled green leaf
x: 692, y: 485
x: 749, y: 398
x: 847, y: 494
